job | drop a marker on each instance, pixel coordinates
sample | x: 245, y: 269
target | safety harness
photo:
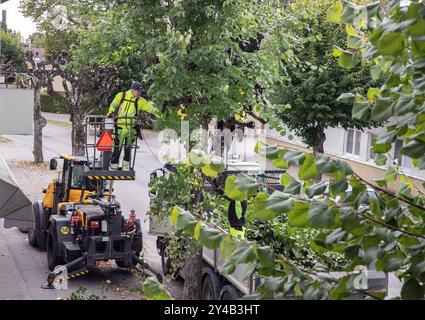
x: 137, y: 126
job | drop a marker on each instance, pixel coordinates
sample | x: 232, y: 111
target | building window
x: 352, y: 144
x: 372, y: 138
x: 397, y: 151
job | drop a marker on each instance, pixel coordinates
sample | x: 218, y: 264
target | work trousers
x: 122, y: 139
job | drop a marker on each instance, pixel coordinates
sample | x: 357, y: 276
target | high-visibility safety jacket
x: 125, y: 108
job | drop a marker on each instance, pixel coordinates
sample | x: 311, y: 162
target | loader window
x: 77, y: 177
x: 77, y: 181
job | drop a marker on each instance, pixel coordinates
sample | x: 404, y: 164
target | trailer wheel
x: 229, y: 292
x: 166, y: 263
x: 208, y: 289
x: 52, y: 259
x: 211, y: 284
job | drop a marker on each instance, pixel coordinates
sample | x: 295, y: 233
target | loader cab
x: 72, y: 180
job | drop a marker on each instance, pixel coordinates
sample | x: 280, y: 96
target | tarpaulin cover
x: 15, y: 207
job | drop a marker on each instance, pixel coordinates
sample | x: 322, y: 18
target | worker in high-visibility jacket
x: 236, y: 213
x: 126, y: 107
x: 236, y: 216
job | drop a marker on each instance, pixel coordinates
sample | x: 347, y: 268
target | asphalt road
x: 23, y: 269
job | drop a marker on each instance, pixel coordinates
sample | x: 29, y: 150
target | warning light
x: 105, y: 142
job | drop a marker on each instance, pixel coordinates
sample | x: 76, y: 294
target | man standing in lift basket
x: 126, y: 107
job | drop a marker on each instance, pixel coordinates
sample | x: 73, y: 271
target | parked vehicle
x: 216, y: 286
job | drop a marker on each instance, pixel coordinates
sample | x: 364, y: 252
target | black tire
x: 229, y: 292
x: 208, y: 292
x: 39, y: 234
x: 166, y: 264
x: 52, y: 259
x: 211, y: 284
x: 32, y: 238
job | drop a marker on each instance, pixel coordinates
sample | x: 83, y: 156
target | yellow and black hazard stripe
x: 74, y: 275
x: 112, y: 177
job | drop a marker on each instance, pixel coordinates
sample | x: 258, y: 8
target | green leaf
x: 340, y: 291
x: 417, y: 29
x: 279, y: 202
x: 387, y: 138
x: 346, y: 60
x: 270, y: 152
x: 266, y: 257
x: 389, y: 264
x: 298, y: 216
x: 354, y: 42
x: 334, y: 13
x: 361, y: 110
x: 391, y: 175
x: 294, y: 157
x: 244, y: 253
x: 228, y: 245
x: 321, y: 215
x: 198, y: 158
x: 382, y: 110
x: 372, y: 93
x: 325, y: 164
x: 316, y: 189
x: 335, y: 236
x: 231, y: 191
x: 228, y: 267
x: 380, y: 147
x: 414, y: 149
x: 291, y: 185
x: 153, y: 290
x: 391, y: 44
x: 280, y: 162
x: 348, y: 14
x: 212, y: 169
x: 175, y: 213
x: 338, y: 186
x: 210, y: 238
x: 247, y: 185
x: 412, y: 290
x: 346, y: 98
x: 259, y: 209
x: 351, y: 222
x: 186, y: 222
x: 375, y: 72
x: 308, y: 169
x: 380, y: 159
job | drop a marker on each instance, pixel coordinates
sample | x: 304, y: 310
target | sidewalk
x: 12, y: 282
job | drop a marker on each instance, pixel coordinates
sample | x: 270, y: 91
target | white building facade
x: 355, y: 145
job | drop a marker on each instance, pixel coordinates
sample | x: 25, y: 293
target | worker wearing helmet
x: 126, y: 107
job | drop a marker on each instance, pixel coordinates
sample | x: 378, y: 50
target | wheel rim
x: 208, y: 292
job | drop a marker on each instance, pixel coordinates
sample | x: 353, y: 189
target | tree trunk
x: 78, y: 135
x: 320, y: 141
x: 38, y: 129
x: 192, y: 289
